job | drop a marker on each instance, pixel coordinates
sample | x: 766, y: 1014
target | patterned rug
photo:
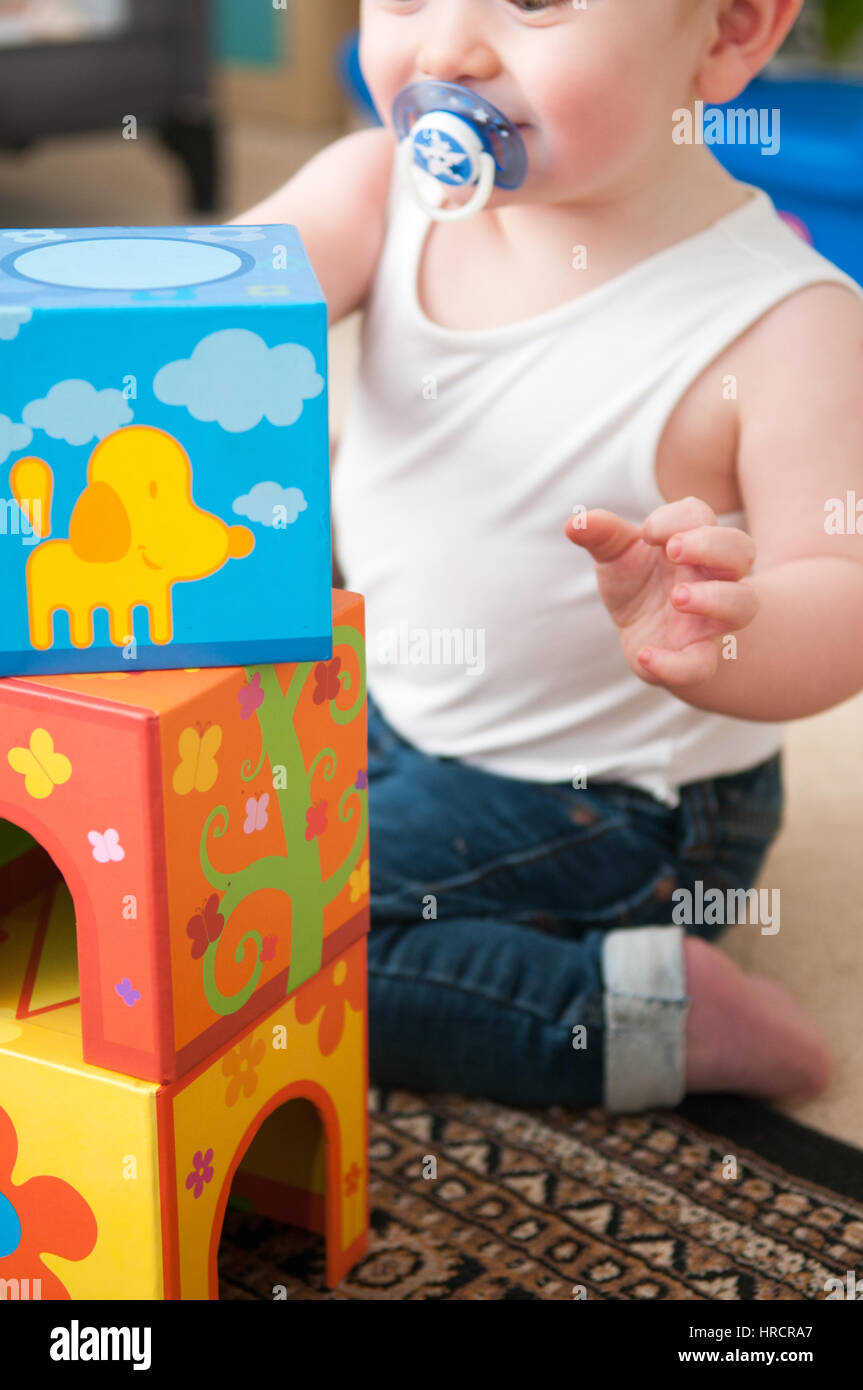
x: 537, y: 1204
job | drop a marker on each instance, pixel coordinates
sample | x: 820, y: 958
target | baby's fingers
x: 695, y: 663
x: 683, y: 515
x: 724, y: 549
x: 732, y: 605
x: 606, y: 535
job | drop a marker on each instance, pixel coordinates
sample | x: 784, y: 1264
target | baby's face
x: 592, y: 84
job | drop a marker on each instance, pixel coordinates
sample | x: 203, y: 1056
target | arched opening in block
x: 280, y: 1205
x: 38, y: 947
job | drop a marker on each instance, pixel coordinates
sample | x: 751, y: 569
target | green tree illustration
x: 296, y: 872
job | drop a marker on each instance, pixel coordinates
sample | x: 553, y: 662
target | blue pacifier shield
x: 440, y: 151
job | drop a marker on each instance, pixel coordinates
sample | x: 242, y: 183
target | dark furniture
x: 157, y: 69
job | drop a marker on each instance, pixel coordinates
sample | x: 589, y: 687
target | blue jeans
x: 522, y: 944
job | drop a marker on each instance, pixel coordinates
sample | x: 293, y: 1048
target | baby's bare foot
x: 746, y: 1034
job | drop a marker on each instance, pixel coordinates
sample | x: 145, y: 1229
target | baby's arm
x: 801, y: 444
x: 338, y: 204
x: 791, y: 591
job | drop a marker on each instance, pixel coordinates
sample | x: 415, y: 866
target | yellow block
x: 96, y: 1131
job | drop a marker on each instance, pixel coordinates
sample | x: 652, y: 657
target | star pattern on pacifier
x: 440, y: 155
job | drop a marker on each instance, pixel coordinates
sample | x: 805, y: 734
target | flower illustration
x: 202, y: 1172
x: 43, y: 1216
x: 316, y: 820
x: 127, y: 992
x: 362, y: 781
x: 240, y: 1065
x: 359, y: 881
x: 352, y: 1179
x: 327, y: 683
x: 331, y: 990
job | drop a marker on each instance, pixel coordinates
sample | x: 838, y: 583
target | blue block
x: 164, y: 450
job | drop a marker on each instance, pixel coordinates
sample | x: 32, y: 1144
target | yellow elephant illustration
x: 134, y: 532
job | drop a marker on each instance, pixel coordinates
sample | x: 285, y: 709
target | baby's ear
x: 100, y: 530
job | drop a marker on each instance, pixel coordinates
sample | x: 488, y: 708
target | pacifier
x: 460, y: 140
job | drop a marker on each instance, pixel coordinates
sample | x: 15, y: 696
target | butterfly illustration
x: 127, y: 993
x: 106, y: 846
x: 251, y: 696
x: 205, y: 926
x: 316, y: 819
x: 43, y: 769
x: 197, y: 769
x: 359, y: 882
x: 327, y: 680
x: 256, y: 813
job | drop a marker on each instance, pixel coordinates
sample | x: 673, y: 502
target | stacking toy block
x: 112, y: 1187
x: 164, y: 450
x: 212, y: 828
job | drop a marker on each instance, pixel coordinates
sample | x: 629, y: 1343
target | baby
x: 582, y: 487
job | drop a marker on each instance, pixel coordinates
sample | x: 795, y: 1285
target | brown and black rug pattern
x: 535, y: 1204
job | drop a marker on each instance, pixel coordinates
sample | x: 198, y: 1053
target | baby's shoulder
x: 821, y: 323
x: 794, y: 372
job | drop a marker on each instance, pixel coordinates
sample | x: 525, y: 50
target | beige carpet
x: 818, y: 953
x: 816, y: 865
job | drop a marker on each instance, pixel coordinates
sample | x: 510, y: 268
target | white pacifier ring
x: 482, y: 193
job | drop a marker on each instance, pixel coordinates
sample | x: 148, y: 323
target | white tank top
x: 463, y: 455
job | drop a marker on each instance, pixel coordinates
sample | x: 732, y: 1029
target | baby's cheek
x: 587, y: 124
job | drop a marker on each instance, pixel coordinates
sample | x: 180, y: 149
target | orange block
x: 212, y: 829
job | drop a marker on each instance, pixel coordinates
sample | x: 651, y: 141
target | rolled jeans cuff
x: 645, y: 1007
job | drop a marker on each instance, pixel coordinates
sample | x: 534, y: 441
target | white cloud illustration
x: 12, y: 437
x: 11, y: 321
x: 262, y: 504
x: 232, y: 377
x: 75, y: 411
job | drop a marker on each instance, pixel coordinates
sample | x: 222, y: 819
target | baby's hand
x: 674, y: 586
